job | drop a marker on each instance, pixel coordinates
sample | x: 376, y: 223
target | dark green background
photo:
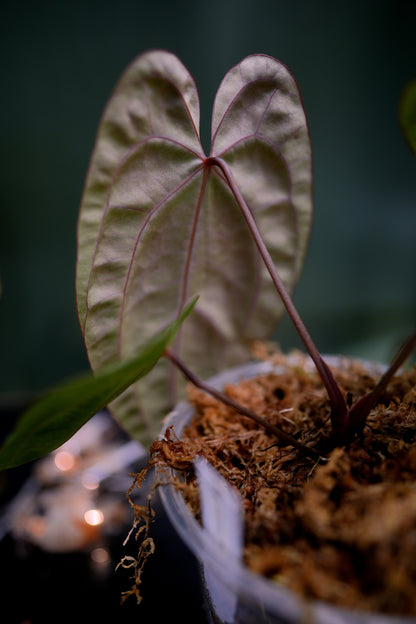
x: 59, y: 63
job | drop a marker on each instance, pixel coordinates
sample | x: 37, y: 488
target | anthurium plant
x: 163, y: 224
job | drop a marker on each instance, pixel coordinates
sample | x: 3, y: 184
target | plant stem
x: 360, y: 410
x: 240, y: 409
x: 339, y: 410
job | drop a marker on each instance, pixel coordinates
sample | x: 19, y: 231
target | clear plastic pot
x: 234, y: 594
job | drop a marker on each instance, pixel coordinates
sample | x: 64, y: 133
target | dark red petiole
x: 345, y: 422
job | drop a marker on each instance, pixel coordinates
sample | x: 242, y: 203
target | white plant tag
x: 222, y: 519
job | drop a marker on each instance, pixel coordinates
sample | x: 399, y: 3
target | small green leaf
x: 407, y: 114
x: 55, y: 417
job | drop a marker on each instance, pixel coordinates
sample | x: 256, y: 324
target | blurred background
x: 59, y: 64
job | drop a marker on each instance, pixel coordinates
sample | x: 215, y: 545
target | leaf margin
x: 407, y: 114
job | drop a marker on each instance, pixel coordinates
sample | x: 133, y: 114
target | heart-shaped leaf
x: 55, y: 417
x: 159, y: 222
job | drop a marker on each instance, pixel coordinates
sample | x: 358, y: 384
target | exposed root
x: 143, y: 517
x: 169, y: 453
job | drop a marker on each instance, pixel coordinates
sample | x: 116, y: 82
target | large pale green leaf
x: 56, y: 416
x: 158, y: 222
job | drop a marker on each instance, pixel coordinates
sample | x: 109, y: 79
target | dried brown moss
x: 344, y: 532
